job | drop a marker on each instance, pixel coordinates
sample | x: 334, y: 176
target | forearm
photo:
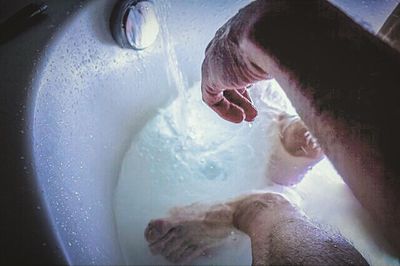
x: 342, y: 81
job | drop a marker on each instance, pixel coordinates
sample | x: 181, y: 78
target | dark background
x: 25, y: 236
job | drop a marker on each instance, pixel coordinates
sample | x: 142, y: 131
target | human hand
x: 226, y: 72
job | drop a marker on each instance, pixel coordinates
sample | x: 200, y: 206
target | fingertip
x: 235, y: 115
x: 229, y: 111
x: 237, y: 119
x: 251, y: 114
x: 249, y: 119
x: 241, y: 99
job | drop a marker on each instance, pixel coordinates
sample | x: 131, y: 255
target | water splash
x: 175, y: 76
x: 188, y: 154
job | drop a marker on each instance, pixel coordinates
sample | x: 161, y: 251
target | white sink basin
x: 94, y: 96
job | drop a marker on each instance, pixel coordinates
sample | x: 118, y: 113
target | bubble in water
x: 212, y: 171
x: 169, y: 165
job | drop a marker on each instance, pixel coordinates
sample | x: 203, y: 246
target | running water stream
x: 187, y: 154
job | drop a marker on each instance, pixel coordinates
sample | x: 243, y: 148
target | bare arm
x: 342, y: 80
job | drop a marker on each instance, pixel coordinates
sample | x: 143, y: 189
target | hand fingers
x: 245, y: 93
x: 228, y: 110
x: 232, y: 105
x: 217, y: 102
x: 243, y: 101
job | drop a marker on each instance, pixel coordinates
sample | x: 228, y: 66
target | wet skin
x: 343, y: 81
x: 191, y: 231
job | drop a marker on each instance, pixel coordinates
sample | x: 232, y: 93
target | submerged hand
x: 226, y: 72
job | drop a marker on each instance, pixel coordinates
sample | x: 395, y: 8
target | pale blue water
x: 169, y: 164
x: 173, y: 163
x: 187, y: 154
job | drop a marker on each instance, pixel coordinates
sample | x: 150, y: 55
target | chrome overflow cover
x: 134, y: 24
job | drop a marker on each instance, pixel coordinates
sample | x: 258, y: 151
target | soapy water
x: 171, y: 165
x: 206, y: 159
